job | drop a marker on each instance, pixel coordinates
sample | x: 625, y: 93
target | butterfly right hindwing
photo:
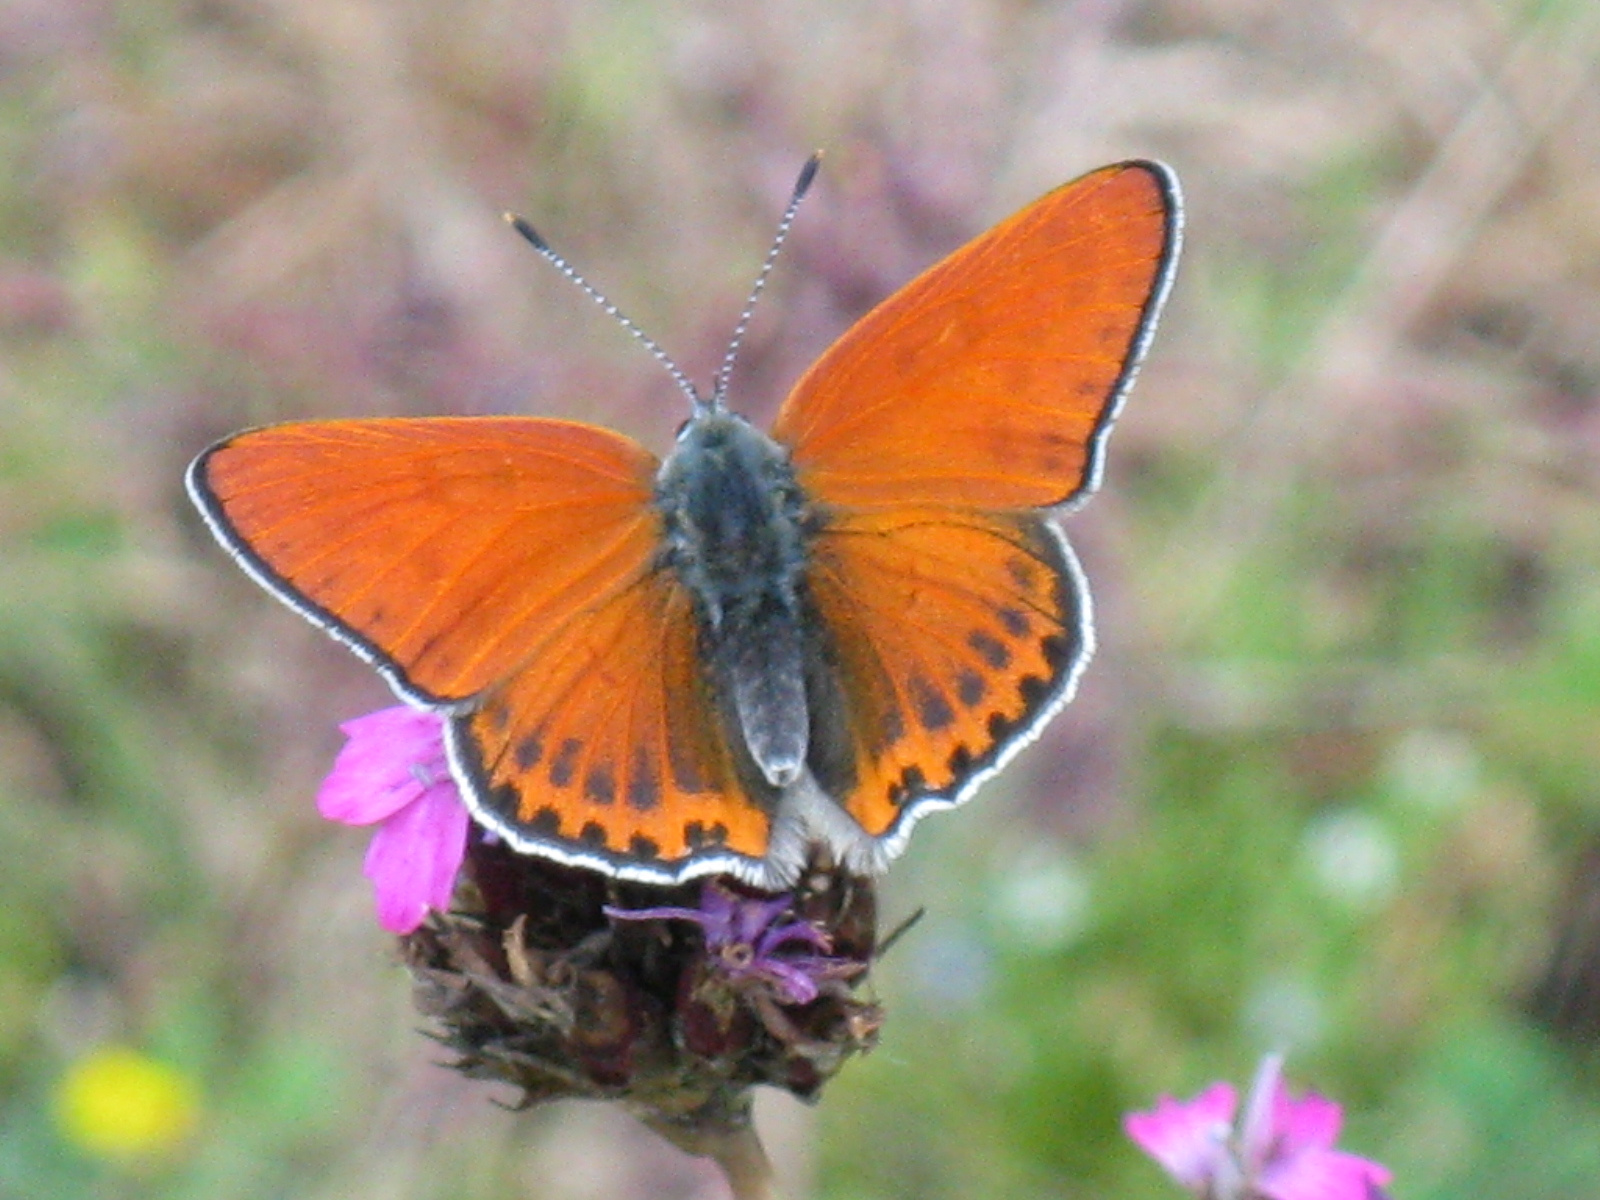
x: 957, y: 636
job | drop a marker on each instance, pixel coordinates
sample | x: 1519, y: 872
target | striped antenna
x: 719, y: 384
x: 536, y: 240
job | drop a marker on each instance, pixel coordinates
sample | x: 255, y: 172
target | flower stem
x: 722, y: 1131
x: 744, y: 1161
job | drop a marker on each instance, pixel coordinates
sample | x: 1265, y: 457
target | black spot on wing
x: 970, y: 688
x: 912, y: 782
x: 644, y: 788
x: 1024, y: 572
x: 1013, y: 620
x: 505, y: 799
x: 960, y: 763
x: 600, y: 784
x: 593, y: 834
x: 933, y: 711
x: 990, y: 648
x: 546, y: 823
x: 999, y: 727
x: 686, y: 773
x: 643, y: 848
x: 529, y: 751
x: 1054, y: 649
x: 564, y: 764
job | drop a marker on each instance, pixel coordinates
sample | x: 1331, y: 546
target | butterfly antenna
x: 719, y: 385
x: 535, y: 239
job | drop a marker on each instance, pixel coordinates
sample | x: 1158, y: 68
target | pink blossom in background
x: 1190, y: 1138
x: 1284, y: 1149
x: 393, y: 773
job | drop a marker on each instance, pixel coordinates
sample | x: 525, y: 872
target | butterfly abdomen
x: 737, y: 528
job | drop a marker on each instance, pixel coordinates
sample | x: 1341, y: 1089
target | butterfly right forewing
x: 605, y: 747
x: 439, y: 549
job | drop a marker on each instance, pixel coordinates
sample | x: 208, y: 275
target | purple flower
x: 743, y: 940
x: 1283, y: 1151
x: 392, y: 773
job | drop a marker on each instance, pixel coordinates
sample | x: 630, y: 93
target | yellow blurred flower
x: 117, y: 1103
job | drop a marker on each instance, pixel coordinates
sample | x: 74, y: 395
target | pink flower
x: 1283, y: 1151
x: 392, y: 773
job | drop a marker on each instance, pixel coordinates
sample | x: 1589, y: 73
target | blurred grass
x: 1330, y: 783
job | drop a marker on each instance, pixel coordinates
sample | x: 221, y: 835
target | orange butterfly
x: 668, y: 669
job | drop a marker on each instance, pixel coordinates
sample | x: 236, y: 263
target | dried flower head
x: 563, y: 982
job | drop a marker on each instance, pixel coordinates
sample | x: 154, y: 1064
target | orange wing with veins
x: 504, y: 571
x: 931, y: 437
x: 989, y: 381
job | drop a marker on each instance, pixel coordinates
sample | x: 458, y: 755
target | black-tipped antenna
x: 537, y: 241
x: 719, y: 384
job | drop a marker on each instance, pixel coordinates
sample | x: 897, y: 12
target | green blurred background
x: 1330, y: 785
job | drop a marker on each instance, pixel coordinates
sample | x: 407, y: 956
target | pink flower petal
x: 392, y: 756
x: 1189, y: 1138
x: 1312, y: 1122
x: 415, y: 856
x: 792, y: 979
x: 1322, y: 1175
x: 1287, y: 1145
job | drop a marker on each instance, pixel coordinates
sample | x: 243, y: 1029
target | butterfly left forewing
x: 956, y: 635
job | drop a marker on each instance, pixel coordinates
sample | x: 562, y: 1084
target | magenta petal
x: 793, y: 981
x: 392, y: 755
x: 1321, y: 1175
x: 1309, y: 1123
x: 1188, y: 1138
x: 415, y: 856
x: 750, y: 919
x: 795, y: 931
